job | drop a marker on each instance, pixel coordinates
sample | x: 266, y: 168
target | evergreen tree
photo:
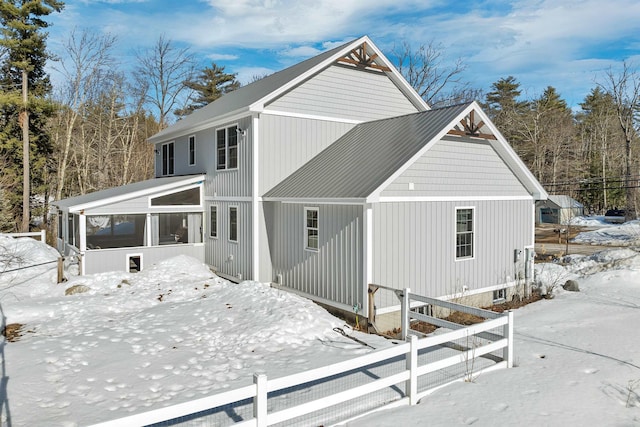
x: 23, y: 108
x: 505, y: 109
x: 209, y: 85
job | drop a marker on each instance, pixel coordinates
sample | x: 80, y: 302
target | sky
x: 567, y: 44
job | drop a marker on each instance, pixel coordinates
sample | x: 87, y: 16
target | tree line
x: 89, y: 131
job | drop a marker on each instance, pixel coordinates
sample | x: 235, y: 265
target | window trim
x: 307, y: 247
x: 191, y: 150
x: 211, y: 228
x: 237, y: 229
x: 168, y: 158
x: 227, y: 149
x: 473, y: 233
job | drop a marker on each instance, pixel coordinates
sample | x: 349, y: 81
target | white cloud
x: 246, y: 75
x: 222, y: 57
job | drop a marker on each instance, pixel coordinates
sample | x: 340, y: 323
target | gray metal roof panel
x: 361, y: 160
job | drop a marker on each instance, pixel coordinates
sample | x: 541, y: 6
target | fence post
x: 60, y: 269
x: 404, y: 313
x: 507, y: 352
x: 260, y: 400
x: 411, y: 385
x: 43, y: 235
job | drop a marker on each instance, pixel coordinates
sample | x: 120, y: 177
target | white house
x: 326, y: 177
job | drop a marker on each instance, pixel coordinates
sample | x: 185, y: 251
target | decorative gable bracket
x: 469, y: 127
x: 361, y: 58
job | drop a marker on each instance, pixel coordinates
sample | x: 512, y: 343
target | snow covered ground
x: 134, y: 342
x: 627, y: 234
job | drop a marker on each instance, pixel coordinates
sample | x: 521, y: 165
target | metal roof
x: 360, y: 161
x: 124, y: 192
x: 564, y: 201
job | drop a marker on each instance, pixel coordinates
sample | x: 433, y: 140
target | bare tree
x: 624, y: 88
x: 161, y: 75
x: 428, y: 73
x: 88, y: 60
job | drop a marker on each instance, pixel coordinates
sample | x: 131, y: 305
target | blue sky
x: 567, y: 44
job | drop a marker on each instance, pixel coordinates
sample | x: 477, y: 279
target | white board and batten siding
x: 334, y: 272
x: 346, y: 93
x: 457, y: 167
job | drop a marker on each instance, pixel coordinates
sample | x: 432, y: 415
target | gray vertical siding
x: 457, y: 167
x: 286, y: 143
x: 236, y: 182
x: 230, y: 258
x: 414, y: 245
x: 332, y: 273
x: 103, y: 260
x: 346, y: 93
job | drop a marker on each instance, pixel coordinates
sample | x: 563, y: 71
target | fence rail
x: 397, y: 375
x: 42, y: 234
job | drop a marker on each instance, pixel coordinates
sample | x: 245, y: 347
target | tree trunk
x: 25, y: 155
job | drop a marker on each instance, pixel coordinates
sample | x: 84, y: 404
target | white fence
x: 394, y: 376
x: 42, y: 234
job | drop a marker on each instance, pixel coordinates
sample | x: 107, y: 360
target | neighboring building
x: 331, y: 175
x: 558, y: 209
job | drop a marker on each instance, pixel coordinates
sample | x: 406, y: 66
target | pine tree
x: 209, y: 85
x: 505, y: 110
x: 23, y: 107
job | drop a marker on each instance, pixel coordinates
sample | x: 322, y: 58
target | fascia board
x: 205, y: 124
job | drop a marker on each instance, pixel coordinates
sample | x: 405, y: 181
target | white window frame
x: 128, y: 260
x: 473, y: 233
x: 237, y: 228
x: 167, y: 163
x: 191, y: 150
x: 213, y: 233
x: 307, y: 229
x: 228, y: 130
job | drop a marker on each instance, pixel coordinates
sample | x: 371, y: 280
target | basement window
x: 500, y: 295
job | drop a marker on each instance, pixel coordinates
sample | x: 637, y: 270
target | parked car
x: 615, y: 216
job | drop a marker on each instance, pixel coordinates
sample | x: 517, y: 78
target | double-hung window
x: 227, y: 148
x: 233, y: 223
x: 213, y: 218
x: 311, y: 228
x: 192, y: 150
x: 167, y: 158
x: 464, y: 233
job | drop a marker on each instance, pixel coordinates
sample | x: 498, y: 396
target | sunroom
x: 128, y: 227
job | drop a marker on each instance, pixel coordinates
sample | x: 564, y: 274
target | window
x: 192, y: 150
x: 227, y: 148
x: 190, y: 197
x: 60, y: 226
x: 233, y: 223
x: 115, y: 231
x: 464, y: 233
x: 500, y: 295
x: 167, y: 159
x: 311, y: 228
x: 213, y: 217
